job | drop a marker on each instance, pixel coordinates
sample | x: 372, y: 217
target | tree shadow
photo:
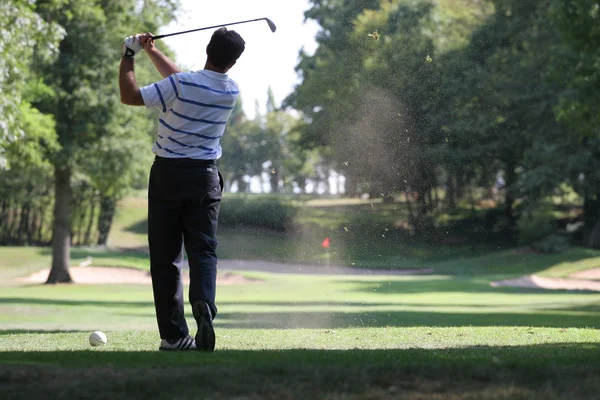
x: 380, y: 319
x: 103, y: 253
x: 73, y: 303
x: 140, y: 227
x: 451, y: 284
x: 549, y: 371
x: 381, y: 314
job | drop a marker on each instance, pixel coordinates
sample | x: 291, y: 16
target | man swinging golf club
x: 185, y: 186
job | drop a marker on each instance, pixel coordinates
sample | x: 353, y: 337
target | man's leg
x: 200, y: 218
x: 165, y: 241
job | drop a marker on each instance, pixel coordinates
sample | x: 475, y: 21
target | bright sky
x: 269, y: 58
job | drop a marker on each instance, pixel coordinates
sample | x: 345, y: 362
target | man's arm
x: 130, y: 91
x: 163, y: 64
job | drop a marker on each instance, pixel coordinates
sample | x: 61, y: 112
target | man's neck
x: 209, y: 66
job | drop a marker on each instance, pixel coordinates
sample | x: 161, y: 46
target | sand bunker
x: 592, y: 273
x: 114, y: 275
x: 539, y: 282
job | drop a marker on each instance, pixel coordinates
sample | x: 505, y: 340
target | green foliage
x: 64, y: 112
x: 24, y: 34
x: 579, y: 24
x: 537, y: 222
x: 380, y: 111
x: 552, y: 244
x: 456, y: 93
x: 269, y: 145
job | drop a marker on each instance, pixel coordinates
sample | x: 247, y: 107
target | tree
x: 86, y: 93
x: 29, y: 35
x: 578, y: 23
x: 374, y: 110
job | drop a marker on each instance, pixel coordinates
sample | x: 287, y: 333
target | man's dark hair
x: 224, y: 47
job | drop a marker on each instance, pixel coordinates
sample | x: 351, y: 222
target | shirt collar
x: 212, y: 74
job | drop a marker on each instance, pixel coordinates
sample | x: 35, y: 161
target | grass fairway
x: 444, y: 336
x: 298, y: 336
x: 418, y: 363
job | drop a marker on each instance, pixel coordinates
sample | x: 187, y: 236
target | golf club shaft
x: 208, y: 27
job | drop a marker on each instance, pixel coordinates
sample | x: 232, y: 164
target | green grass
x: 531, y: 371
x: 296, y: 336
x: 298, y: 301
x: 22, y: 261
x: 449, y: 335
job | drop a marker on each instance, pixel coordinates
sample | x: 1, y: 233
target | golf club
x: 271, y: 26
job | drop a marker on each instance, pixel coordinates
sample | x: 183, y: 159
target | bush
x: 552, y: 244
x: 268, y: 212
x: 537, y: 222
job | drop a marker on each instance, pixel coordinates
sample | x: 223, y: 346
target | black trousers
x: 184, y: 196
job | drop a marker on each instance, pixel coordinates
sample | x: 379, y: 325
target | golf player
x: 185, y: 185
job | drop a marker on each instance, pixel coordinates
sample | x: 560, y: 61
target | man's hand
x: 147, y: 41
x: 131, y: 46
x: 163, y: 64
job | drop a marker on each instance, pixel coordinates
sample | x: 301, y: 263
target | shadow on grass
x: 338, y: 320
x: 453, y: 284
x: 37, y: 331
x: 140, y: 227
x: 538, y: 354
x: 109, y: 257
x: 369, y: 315
x: 548, y: 371
x: 74, y: 303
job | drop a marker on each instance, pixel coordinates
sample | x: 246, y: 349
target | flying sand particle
x: 374, y: 35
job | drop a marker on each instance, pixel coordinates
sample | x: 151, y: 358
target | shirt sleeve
x: 162, y: 94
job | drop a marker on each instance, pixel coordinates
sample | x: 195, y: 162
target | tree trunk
x: 459, y: 186
x: 451, y: 191
x: 274, y: 181
x: 88, y: 232
x: 105, y: 219
x: 13, y: 222
x: 509, y: 200
x: 3, y: 215
x: 24, y: 234
x: 41, y: 225
x: 61, y: 236
x: 591, y: 214
x: 350, y: 186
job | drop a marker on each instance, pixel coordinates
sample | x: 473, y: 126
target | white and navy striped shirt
x: 194, y: 109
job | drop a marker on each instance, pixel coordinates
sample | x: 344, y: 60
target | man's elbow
x: 132, y: 99
x: 126, y: 100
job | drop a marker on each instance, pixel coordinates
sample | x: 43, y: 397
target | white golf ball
x: 97, y: 338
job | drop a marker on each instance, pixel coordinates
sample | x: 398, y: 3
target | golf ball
x: 97, y: 338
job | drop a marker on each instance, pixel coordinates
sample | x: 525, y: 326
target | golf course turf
x: 444, y: 335
x: 299, y: 336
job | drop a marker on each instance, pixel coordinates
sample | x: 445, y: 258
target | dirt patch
x: 540, y: 282
x: 115, y: 275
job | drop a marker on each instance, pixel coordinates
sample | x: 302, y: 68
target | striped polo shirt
x: 194, y: 109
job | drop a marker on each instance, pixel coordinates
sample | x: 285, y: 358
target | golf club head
x: 271, y: 25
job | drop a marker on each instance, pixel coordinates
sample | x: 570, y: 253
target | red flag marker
x: 325, y: 243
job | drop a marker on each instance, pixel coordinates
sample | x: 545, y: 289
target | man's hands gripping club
x: 131, y: 46
x: 134, y: 44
